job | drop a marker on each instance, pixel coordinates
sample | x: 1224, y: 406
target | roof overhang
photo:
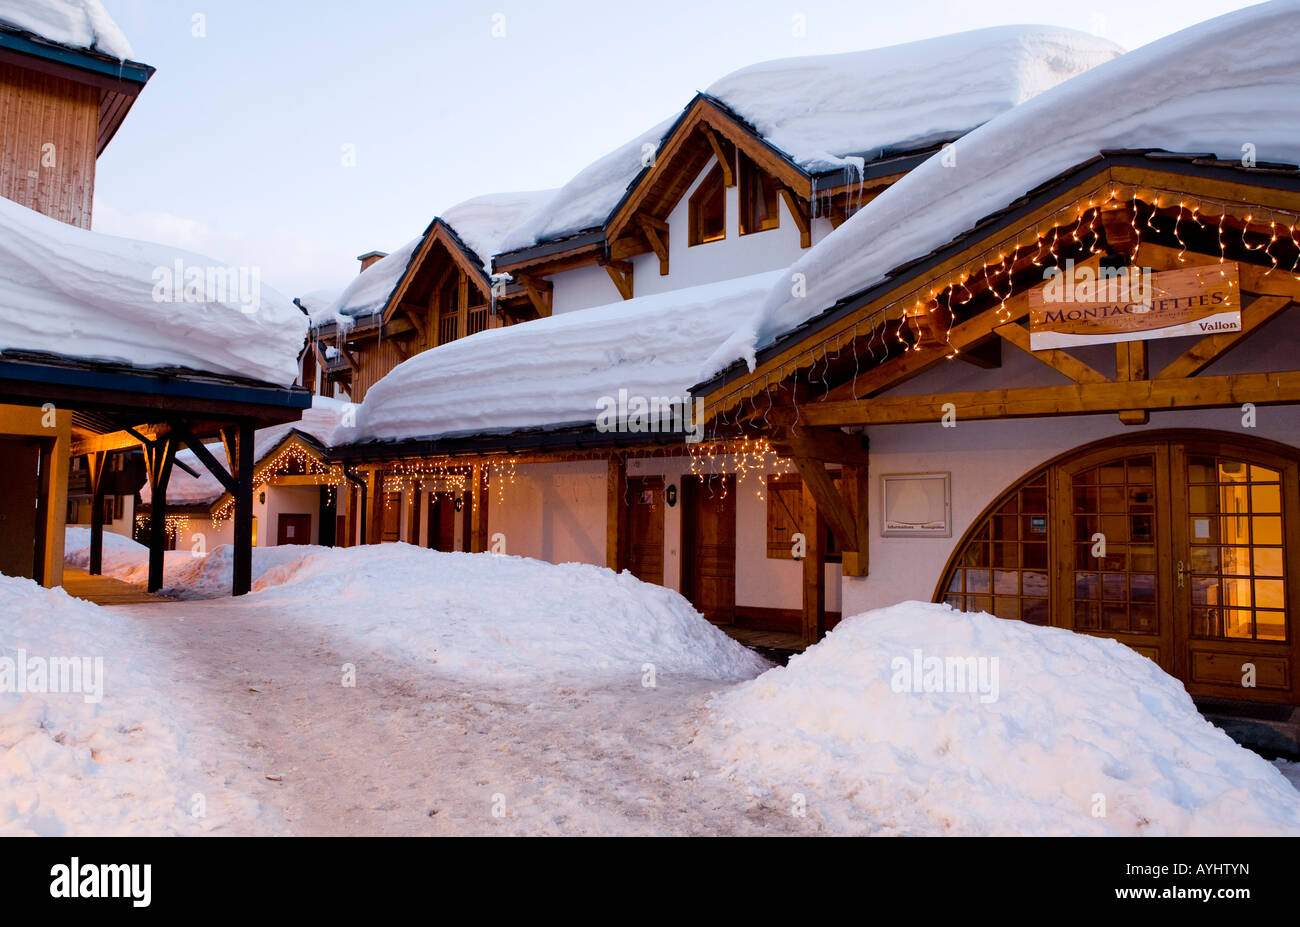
x: 118, y: 82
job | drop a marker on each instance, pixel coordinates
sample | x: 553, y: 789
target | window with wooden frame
x: 760, y: 199
x: 785, y: 518
x: 708, y: 209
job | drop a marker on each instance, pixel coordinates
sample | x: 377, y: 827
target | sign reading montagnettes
x: 1080, y: 305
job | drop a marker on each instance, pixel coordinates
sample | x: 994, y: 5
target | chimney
x: 369, y: 258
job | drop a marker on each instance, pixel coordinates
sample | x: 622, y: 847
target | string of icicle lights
x: 173, y: 524
x: 292, y: 460
x: 744, y: 457
x: 1074, y: 227
x: 446, y: 476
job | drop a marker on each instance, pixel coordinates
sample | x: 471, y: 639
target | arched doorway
x: 1182, y: 545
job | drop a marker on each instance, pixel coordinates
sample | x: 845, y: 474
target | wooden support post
x: 616, y: 515
x: 798, y: 212
x: 724, y: 159
x: 159, y: 455
x: 1130, y: 365
x: 620, y: 272
x: 814, y: 570
x: 478, y: 510
x: 241, y: 580
x: 374, y: 529
x: 44, y: 490
x: 855, y: 486
x: 656, y: 233
x: 95, y: 465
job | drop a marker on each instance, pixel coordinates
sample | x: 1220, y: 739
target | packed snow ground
x: 501, y: 695
x: 105, y: 751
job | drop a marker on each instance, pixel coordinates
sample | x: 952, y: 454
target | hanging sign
x: 1078, y: 306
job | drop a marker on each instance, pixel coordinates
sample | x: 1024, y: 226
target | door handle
x: 1182, y: 573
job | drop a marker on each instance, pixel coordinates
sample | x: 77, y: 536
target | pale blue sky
x: 235, y: 147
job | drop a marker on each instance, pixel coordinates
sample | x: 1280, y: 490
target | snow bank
x: 486, y: 616
x: 75, y: 23
x: 819, y: 108
x: 116, y: 766
x: 554, y: 371
x: 1210, y: 88
x: 321, y: 422
x: 186, y: 575
x: 1075, y: 717
x: 480, y: 223
x: 80, y: 294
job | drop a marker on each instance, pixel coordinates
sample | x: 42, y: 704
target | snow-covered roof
x: 321, y: 422
x: 553, y: 371
x: 83, y: 24
x: 77, y: 293
x: 829, y: 111
x: 479, y: 223
x: 1211, y: 88
x: 319, y: 304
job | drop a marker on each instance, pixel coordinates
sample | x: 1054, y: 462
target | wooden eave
x: 309, y: 445
x: 118, y: 82
x: 438, y: 233
x: 792, y: 353
x: 684, y: 153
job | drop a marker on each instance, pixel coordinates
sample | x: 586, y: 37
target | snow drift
x: 70, y: 291
x: 117, y: 766
x: 1163, y: 95
x: 1081, y: 736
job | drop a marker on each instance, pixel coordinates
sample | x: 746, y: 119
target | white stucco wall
x: 552, y: 511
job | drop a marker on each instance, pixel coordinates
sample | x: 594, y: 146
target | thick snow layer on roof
x: 1211, y: 88
x: 81, y: 294
x: 880, y: 741
x: 554, y: 371
x: 320, y: 304
x: 587, y: 200
x: 480, y: 223
x: 75, y: 23
x: 321, y: 421
x: 819, y: 108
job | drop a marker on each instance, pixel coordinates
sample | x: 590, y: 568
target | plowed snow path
x: 403, y: 753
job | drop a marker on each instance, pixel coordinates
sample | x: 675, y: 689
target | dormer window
x: 708, y: 209
x: 759, y: 199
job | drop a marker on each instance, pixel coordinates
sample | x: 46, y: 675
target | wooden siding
x: 36, y: 109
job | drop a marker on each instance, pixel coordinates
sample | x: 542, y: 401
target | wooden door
x: 1235, y: 548
x: 292, y: 529
x: 442, y: 522
x: 709, y: 545
x: 18, y: 549
x: 1113, y: 563
x: 645, y: 526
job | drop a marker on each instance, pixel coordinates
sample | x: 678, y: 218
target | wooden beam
x: 728, y: 170
x: 1060, y: 361
x: 799, y: 211
x: 1079, y: 399
x: 830, y: 504
x: 621, y: 273
x: 540, y: 294
x: 1131, y: 365
x: 416, y: 322
x: 1212, y: 347
x: 95, y: 466
x: 814, y: 444
x: 115, y: 441
x: 228, y: 482
x: 855, y: 487
x: 616, y: 514
x: 241, y: 568
x: 656, y: 233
